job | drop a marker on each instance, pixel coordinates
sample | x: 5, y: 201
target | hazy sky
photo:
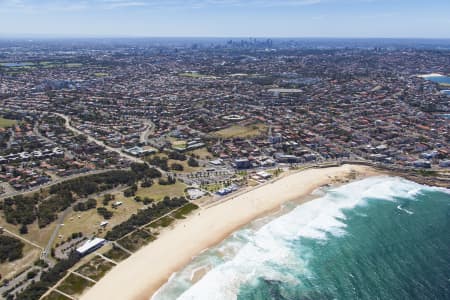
x: 237, y: 18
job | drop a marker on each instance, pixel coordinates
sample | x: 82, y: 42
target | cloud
x: 112, y: 4
x: 68, y: 5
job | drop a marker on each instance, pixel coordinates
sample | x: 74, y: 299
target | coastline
x: 141, y: 275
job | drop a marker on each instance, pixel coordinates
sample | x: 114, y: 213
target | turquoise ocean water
x: 378, y: 238
x: 439, y: 79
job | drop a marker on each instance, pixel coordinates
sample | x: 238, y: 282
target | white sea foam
x: 426, y: 76
x: 399, y: 207
x: 258, y: 253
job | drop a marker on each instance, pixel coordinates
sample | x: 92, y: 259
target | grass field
x: 184, y: 211
x: 55, y: 296
x: 7, y: 123
x: 239, y: 131
x: 10, y: 269
x: 136, y: 240
x: 158, y: 192
x: 186, y: 167
x: 163, y: 222
x: 96, y: 268
x: 35, y: 234
x: 88, y: 222
x: 116, y: 254
x: 178, y: 144
x: 214, y: 187
x: 203, y: 153
x: 74, y: 285
x: 74, y: 65
x: 99, y: 74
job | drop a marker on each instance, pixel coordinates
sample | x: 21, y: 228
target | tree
x: 192, y: 162
x: 147, y: 183
x: 10, y: 248
x: 23, y: 229
x: 176, y: 167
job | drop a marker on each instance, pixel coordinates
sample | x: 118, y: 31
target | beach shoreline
x: 142, y: 274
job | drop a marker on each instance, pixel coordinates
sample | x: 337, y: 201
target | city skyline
x: 225, y: 18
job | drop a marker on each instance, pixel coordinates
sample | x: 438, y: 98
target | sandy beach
x: 148, y: 269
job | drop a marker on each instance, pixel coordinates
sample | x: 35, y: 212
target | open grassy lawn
x: 88, y: 222
x: 186, y: 167
x: 74, y: 65
x: 158, y: 192
x: 7, y: 123
x: 10, y: 269
x: 116, y: 254
x: 99, y: 74
x: 74, y: 285
x: 163, y: 222
x: 239, y: 131
x: 203, y: 153
x: 214, y: 187
x: 178, y: 144
x: 35, y: 234
x: 184, y: 211
x: 136, y: 240
x: 96, y: 268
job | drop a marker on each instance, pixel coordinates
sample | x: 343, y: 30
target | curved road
x: 100, y: 143
x: 150, y: 129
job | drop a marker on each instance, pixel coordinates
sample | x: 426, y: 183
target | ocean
x: 439, y: 79
x: 377, y: 238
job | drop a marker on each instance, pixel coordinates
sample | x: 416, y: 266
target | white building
x: 90, y: 246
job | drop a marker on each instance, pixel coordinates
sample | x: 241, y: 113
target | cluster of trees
x: 146, y: 183
x: 87, y: 185
x: 192, y: 162
x: 177, y: 167
x: 10, y: 248
x: 144, y: 171
x: 47, y: 211
x: 87, y: 205
x: 160, y: 162
x: 20, y: 209
x: 107, y: 198
x: 145, y: 216
x: 176, y: 155
x: 131, y: 191
x: 146, y: 200
x: 27, y: 209
x: 170, y: 180
x: 106, y: 214
x: 36, y: 289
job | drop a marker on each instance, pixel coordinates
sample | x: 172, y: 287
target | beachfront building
x: 90, y: 246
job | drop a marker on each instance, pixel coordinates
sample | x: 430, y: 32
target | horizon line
x: 58, y: 36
